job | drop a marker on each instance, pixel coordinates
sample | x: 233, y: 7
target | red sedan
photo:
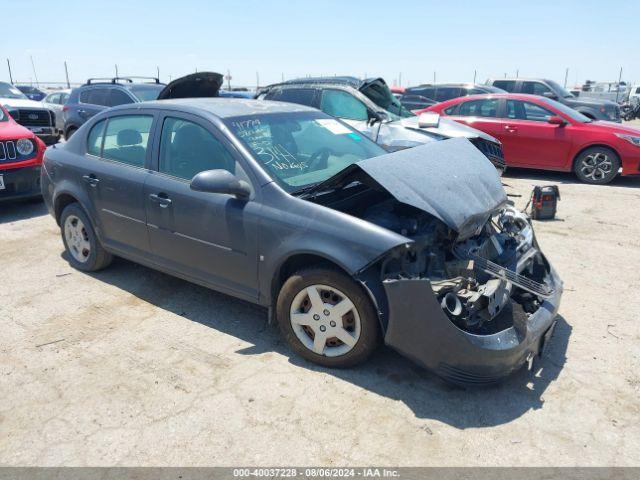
x: 21, y: 155
x: 537, y: 132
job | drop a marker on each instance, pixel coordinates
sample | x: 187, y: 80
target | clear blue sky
x: 538, y: 38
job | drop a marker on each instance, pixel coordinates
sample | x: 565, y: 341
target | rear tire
x: 83, y: 248
x: 596, y: 165
x: 327, y: 305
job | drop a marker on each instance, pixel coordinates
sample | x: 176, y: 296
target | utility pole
x: 434, y: 77
x: 66, y: 74
x: 34, y: 71
x: 517, y: 72
x: 282, y: 76
x: 400, y: 79
x: 116, y: 70
x: 10, y: 75
x: 566, y: 75
x: 475, y: 72
x: 619, y: 80
x: 158, y: 73
x: 228, y: 80
x: 257, y: 81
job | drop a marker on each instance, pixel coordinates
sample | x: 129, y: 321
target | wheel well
x: 61, y: 202
x: 70, y: 128
x: 600, y: 145
x: 295, y: 263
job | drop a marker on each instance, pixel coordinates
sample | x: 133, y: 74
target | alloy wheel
x: 325, y: 320
x: 77, y: 238
x: 596, y: 166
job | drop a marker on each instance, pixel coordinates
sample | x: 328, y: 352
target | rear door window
x: 519, y: 110
x: 53, y: 98
x: 447, y: 93
x: 126, y: 139
x: 479, y: 108
x: 428, y: 92
x: 95, y: 96
x: 535, y: 88
x: 338, y: 103
x: 118, y: 97
x: 187, y: 149
x: 507, y: 85
x: 301, y: 96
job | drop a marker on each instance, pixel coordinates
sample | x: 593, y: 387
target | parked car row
x: 32, y: 114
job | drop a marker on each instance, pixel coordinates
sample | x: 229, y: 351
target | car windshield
x: 146, y: 93
x: 9, y: 91
x: 301, y: 149
x: 380, y: 94
x: 564, y: 93
x: 568, y: 111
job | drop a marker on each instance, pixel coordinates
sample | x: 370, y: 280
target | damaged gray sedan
x: 346, y: 244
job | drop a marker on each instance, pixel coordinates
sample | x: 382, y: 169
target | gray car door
x: 207, y: 237
x: 113, y: 174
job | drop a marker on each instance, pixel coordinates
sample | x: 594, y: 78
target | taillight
x: 65, y: 108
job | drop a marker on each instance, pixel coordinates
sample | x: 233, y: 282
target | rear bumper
x: 20, y: 183
x: 420, y: 330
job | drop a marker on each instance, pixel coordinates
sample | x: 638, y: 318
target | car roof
x: 510, y: 96
x: 343, y: 81
x: 221, y: 107
x: 525, y: 79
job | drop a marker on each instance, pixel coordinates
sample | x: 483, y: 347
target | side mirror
x: 555, y: 120
x: 428, y: 120
x: 221, y: 181
x: 379, y: 116
x: 550, y: 95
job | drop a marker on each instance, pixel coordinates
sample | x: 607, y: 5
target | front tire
x: 327, y: 318
x: 596, y: 165
x: 80, y: 241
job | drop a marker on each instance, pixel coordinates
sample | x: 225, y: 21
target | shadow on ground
x: 547, y: 177
x: 386, y: 373
x: 21, y: 210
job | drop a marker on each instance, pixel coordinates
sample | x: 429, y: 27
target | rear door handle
x: 161, y: 199
x: 91, y: 180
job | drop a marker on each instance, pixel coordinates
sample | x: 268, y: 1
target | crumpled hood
x: 450, y: 180
x: 449, y: 128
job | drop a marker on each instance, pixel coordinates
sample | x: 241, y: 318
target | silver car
x: 370, y: 107
x: 55, y: 101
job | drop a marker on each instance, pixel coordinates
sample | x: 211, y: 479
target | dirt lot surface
x: 133, y: 367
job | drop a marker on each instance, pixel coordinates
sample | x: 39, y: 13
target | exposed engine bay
x: 478, y: 280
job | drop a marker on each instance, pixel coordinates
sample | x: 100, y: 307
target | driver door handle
x: 160, y: 199
x: 511, y: 128
x: 92, y: 180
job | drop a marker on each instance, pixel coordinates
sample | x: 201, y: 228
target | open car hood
x: 450, y: 180
x: 201, y: 84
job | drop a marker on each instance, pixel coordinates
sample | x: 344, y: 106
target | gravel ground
x: 133, y: 367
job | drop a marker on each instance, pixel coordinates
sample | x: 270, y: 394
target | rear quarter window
x: 507, y: 85
x: 301, y: 96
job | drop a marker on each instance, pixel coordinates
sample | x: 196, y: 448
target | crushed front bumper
x: 419, y: 329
